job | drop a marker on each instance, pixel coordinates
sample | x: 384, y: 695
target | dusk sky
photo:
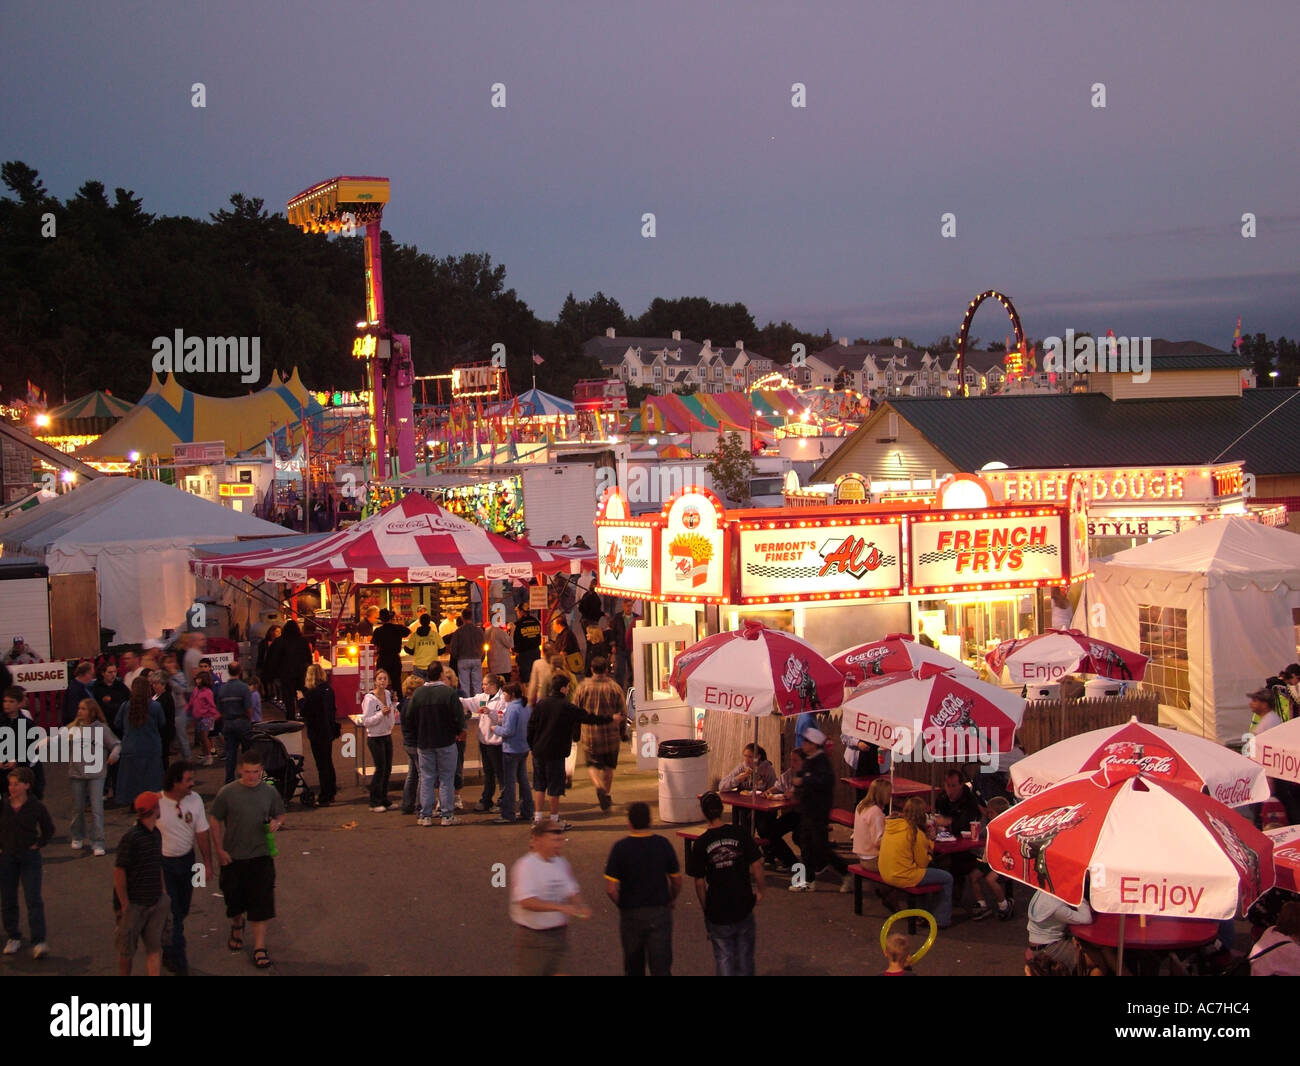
x: 1127, y: 217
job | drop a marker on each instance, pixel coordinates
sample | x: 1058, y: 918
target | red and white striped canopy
x: 415, y: 541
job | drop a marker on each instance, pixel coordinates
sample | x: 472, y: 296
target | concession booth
x: 414, y: 556
x: 960, y: 569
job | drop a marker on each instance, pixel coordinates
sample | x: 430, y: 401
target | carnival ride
x: 343, y: 205
x: 1015, y: 359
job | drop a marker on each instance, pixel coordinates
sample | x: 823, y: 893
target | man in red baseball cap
x: 139, y: 899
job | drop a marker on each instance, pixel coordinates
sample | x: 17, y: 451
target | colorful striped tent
x: 170, y: 414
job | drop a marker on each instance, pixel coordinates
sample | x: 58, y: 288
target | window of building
x: 1162, y: 637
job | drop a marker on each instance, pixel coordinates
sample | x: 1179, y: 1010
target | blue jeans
x: 235, y: 732
x: 514, y: 771
x: 437, y: 771
x: 733, y: 946
x: 88, y: 788
x: 935, y: 876
x: 178, y: 877
x: 411, y: 790
x: 470, y: 673
x: 183, y: 734
x: 24, y: 867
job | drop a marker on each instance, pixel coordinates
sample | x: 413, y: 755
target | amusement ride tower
x: 343, y: 205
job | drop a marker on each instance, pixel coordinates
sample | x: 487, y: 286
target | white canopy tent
x: 1215, y: 607
x: 136, y: 536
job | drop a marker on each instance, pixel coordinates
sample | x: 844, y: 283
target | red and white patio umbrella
x: 893, y: 654
x: 1146, y: 847
x: 1277, y: 750
x: 1286, y: 855
x: 945, y: 715
x: 1163, y: 755
x: 755, y: 671
x: 1049, y: 656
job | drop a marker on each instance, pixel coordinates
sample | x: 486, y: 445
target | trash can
x: 683, y: 776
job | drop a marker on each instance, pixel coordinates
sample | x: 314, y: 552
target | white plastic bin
x: 683, y: 776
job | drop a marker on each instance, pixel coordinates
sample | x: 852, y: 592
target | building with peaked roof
x: 1055, y: 435
x: 664, y: 365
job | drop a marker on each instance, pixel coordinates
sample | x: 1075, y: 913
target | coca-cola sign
x: 1233, y: 793
x: 1052, y: 821
x: 1148, y: 759
x: 952, y: 711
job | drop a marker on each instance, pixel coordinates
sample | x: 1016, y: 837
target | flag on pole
x: 538, y: 359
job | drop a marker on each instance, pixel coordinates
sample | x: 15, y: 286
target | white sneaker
x: 12, y: 947
x: 460, y: 804
x: 803, y: 886
x: 98, y: 851
x: 451, y: 821
x: 76, y: 845
x: 40, y: 950
x: 378, y: 810
x: 424, y: 821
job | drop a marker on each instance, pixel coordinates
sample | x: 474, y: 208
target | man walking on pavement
x: 728, y: 871
x: 439, y: 723
x: 643, y: 879
x: 138, y: 889
x: 182, y: 823
x: 236, y: 705
x: 621, y: 637
x: 245, y: 816
x: 601, y: 695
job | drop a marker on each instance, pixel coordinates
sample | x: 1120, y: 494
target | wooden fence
x: 1045, y: 722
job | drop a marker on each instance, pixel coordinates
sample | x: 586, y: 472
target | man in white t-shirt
x: 183, y: 823
x: 543, y: 895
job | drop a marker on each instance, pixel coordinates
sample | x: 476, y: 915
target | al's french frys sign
x: 986, y: 551
x: 842, y: 561
x: 624, y: 549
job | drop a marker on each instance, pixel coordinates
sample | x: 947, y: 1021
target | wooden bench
x: 690, y: 836
x: 885, y: 891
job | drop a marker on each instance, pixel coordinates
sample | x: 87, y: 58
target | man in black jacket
x: 81, y: 687
x: 387, y: 640
x: 528, y: 642
x: 815, y: 789
x: 439, y: 723
x: 550, y: 737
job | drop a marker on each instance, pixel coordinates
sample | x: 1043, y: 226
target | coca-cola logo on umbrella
x: 1244, y: 858
x: 1234, y: 792
x: 1150, y: 759
x: 1035, y: 834
x: 953, y: 712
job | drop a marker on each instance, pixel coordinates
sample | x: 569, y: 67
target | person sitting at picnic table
x: 742, y: 777
x: 1049, y: 932
x: 773, y: 826
x: 869, y: 822
x: 1277, y: 952
x: 904, y: 860
x: 994, y: 882
x: 954, y: 810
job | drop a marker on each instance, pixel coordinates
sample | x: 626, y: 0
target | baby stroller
x: 281, y: 768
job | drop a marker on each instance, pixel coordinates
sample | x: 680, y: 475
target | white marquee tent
x: 136, y: 536
x: 1216, y: 607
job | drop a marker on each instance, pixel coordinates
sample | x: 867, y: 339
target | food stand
x: 414, y: 555
x: 964, y: 566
